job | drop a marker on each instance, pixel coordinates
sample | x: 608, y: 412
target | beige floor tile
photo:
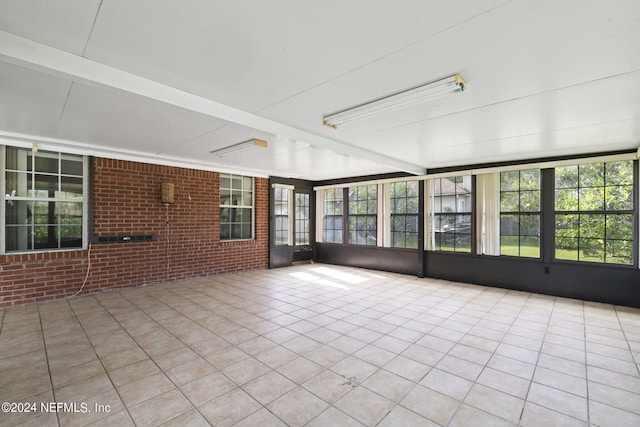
x: 535, y: 415
x: 468, y: 416
x: 160, y: 409
x: 561, y: 381
x: 374, y: 355
x: 602, y: 415
x: 189, y: 371
x: 135, y: 392
x: 388, y: 385
x: 614, y: 397
x: 504, y: 382
x: 559, y: 401
x: 229, y: 408
x: 512, y: 366
x: 333, y: 417
x: 400, y: 416
x: 297, y: 407
x: 134, y: 372
x: 447, y: 384
x: 262, y: 418
x: 268, y: 387
x: 407, y: 368
x: 21, y: 390
x: 364, y: 405
x: 430, y: 404
x: 83, y: 389
x: 175, y: 357
x: 207, y: 388
x: 300, y: 369
x: 460, y: 367
x: 191, y: 418
x: 329, y: 386
x: 426, y: 356
x: 495, y: 402
x: 402, y: 330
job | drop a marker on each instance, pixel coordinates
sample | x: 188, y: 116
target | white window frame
x: 252, y: 207
x: 7, y: 197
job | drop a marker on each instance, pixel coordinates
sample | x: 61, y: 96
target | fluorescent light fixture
x: 396, y: 101
x: 240, y: 147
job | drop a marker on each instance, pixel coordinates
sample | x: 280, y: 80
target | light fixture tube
x: 240, y: 147
x: 396, y: 101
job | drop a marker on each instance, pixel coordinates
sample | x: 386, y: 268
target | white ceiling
x: 168, y: 82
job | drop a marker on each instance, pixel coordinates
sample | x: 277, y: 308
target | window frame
x: 302, y: 226
x: 434, y: 215
x: 336, y: 214
x: 357, y: 218
x: 391, y: 202
x: 233, y: 207
x: 83, y: 200
x: 520, y: 213
x: 603, y: 212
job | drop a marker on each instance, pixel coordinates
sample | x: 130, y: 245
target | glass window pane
x: 591, y: 175
x: 509, y: 181
x: 18, y: 212
x: 509, y: 201
x: 566, y: 177
x: 620, y: 227
x: 530, y: 201
x: 70, y: 188
x: 619, y: 173
x: 530, y: 246
x: 509, y: 245
x: 619, y: 197
x: 530, y: 179
x: 567, y: 226
x: 45, y: 186
x: 591, y: 199
x: 592, y: 226
x: 71, y: 165
x: 567, y: 248
x: 619, y: 252
x: 46, y: 162
x: 566, y: 199
x: 18, y: 184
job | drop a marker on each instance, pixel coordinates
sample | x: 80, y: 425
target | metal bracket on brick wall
x: 127, y: 238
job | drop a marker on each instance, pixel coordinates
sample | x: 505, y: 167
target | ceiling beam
x: 30, y: 54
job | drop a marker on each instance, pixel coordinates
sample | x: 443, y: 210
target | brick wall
x: 126, y: 201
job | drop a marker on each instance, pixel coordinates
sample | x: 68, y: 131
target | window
x: 281, y: 214
x: 520, y: 213
x: 302, y: 218
x: 403, y: 201
x: 236, y: 207
x: 44, y: 200
x: 594, y: 209
x: 363, y: 215
x: 452, y: 205
x: 332, y: 221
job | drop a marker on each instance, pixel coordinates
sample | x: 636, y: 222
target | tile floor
x: 320, y: 345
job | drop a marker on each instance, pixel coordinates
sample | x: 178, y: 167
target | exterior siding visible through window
x: 594, y: 211
x: 44, y: 200
x: 363, y: 219
x: 403, y: 199
x: 520, y: 213
x: 452, y: 211
x: 302, y: 211
x: 332, y: 221
x: 236, y: 207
